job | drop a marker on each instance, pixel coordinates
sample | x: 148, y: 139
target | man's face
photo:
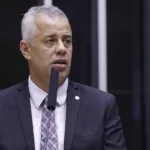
x: 51, y: 47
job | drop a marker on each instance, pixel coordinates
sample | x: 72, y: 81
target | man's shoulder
x: 7, y: 94
x: 96, y: 93
x: 9, y: 90
x: 95, y: 98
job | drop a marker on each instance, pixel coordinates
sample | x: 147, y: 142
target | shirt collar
x: 38, y: 95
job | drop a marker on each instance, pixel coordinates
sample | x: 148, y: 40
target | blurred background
x: 111, y: 41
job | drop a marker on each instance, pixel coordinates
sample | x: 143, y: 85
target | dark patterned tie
x: 49, y: 140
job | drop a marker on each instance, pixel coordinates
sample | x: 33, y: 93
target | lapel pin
x: 77, y: 97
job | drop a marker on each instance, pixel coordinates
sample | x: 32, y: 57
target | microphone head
x: 53, y: 86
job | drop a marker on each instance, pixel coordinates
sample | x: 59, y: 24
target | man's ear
x: 25, y: 49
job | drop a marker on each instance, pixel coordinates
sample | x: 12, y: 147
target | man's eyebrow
x: 53, y: 35
x: 67, y: 36
x: 50, y: 35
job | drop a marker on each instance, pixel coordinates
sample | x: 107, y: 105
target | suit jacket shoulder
x: 95, y: 96
x: 7, y: 95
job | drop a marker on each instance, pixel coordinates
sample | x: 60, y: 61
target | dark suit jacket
x: 92, y: 122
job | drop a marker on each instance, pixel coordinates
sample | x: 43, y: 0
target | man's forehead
x: 43, y: 21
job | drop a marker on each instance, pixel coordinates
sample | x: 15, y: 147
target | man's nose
x: 61, y: 50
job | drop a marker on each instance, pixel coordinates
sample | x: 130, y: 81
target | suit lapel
x: 24, y: 112
x: 71, y: 113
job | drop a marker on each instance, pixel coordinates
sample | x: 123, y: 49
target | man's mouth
x: 59, y: 64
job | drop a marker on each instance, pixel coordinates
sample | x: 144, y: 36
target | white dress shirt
x: 37, y: 95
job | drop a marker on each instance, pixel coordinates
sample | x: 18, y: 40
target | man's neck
x: 41, y: 85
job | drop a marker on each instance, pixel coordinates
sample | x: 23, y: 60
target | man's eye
x: 68, y: 41
x: 51, y: 40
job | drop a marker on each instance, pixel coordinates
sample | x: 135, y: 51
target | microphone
x: 53, y: 86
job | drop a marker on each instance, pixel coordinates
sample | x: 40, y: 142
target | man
x: 84, y: 118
